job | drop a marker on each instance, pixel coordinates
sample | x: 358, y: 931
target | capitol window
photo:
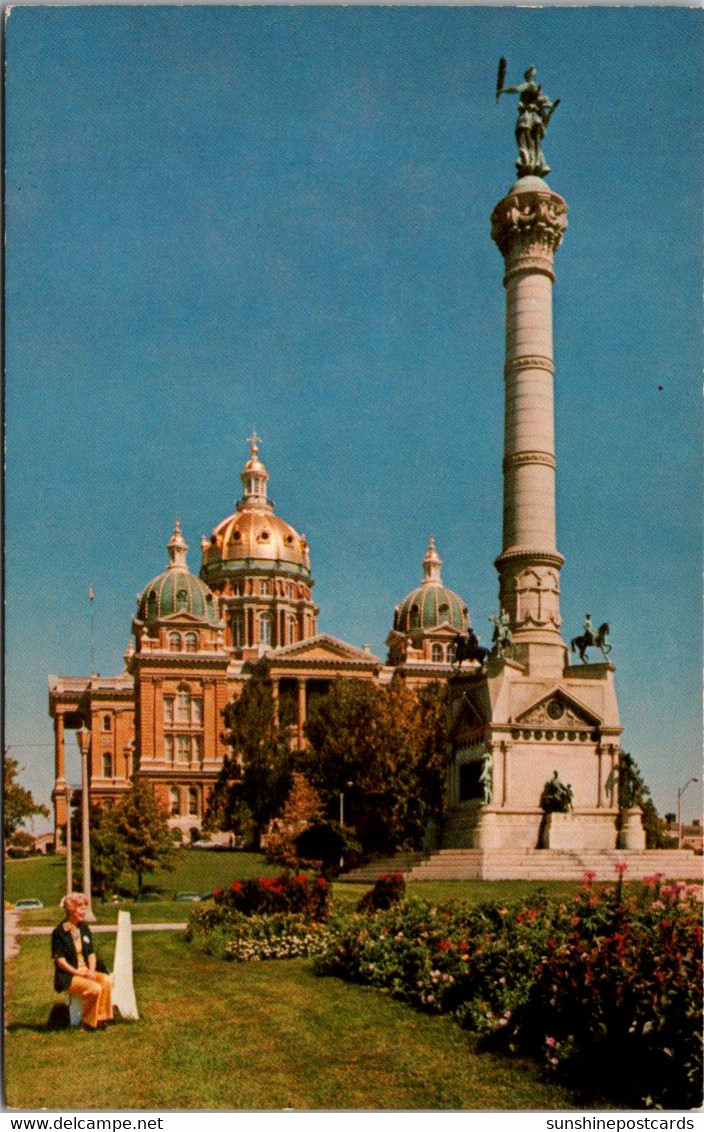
x: 168, y: 709
x: 183, y: 705
x: 193, y: 801
x: 265, y: 630
x: 107, y: 764
x: 437, y: 654
x: 181, y: 600
x: 196, y: 710
x: 169, y: 747
x: 238, y: 628
x: 191, y: 641
x: 197, y: 748
x: 175, y: 801
x: 174, y: 642
x: 183, y: 748
x: 107, y: 723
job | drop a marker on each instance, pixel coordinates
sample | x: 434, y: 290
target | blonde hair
x: 73, y: 900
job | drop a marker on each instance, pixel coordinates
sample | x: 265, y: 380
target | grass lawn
x: 249, y: 1036
x: 201, y: 870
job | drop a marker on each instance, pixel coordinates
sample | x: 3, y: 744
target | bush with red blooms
x: 289, y: 892
x: 388, y: 890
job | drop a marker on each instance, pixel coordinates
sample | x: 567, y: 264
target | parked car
x: 187, y: 897
x: 148, y: 898
x: 31, y: 902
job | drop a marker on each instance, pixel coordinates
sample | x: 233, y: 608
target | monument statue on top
x: 534, y: 113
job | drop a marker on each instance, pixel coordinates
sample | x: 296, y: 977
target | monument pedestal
x: 631, y: 834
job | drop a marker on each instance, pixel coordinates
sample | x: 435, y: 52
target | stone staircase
x: 556, y: 864
x: 370, y: 872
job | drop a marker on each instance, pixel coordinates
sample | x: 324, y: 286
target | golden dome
x: 254, y: 537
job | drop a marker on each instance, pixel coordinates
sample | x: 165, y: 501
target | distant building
x: 250, y: 615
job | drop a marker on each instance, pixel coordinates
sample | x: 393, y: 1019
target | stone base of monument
x: 474, y: 826
x: 578, y: 831
x: 631, y: 834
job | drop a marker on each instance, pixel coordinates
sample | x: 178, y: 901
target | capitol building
x: 248, y: 615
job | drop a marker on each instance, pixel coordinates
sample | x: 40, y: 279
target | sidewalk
x: 97, y: 929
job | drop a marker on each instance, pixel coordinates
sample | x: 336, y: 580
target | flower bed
x: 286, y: 893
x: 281, y: 935
x: 606, y: 990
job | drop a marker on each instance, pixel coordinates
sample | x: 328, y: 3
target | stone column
x: 527, y: 226
x: 59, y: 791
x: 275, y: 698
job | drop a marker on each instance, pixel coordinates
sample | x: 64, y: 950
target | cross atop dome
x: 254, y: 442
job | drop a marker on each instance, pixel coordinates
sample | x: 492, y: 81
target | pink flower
x: 589, y: 876
x: 550, y: 1042
x: 620, y: 867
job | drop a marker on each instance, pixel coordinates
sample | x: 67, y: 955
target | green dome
x: 428, y: 607
x: 431, y: 604
x: 176, y: 590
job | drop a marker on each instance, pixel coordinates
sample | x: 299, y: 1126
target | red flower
x: 443, y: 945
x: 236, y: 886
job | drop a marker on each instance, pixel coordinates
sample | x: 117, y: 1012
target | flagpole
x: 91, y: 597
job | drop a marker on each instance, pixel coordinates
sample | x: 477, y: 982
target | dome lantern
x: 177, y: 549
x: 431, y: 565
x: 254, y: 478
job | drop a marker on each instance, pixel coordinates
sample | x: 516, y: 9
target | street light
x: 83, y: 737
x: 680, y: 792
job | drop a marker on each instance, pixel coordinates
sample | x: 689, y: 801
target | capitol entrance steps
x: 556, y: 864
x: 370, y: 872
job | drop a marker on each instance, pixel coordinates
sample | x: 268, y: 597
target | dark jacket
x: 62, y: 947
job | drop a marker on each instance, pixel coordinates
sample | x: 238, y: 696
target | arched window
x: 174, y: 642
x: 107, y: 764
x: 265, y: 630
x: 437, y: 654
x: 191, y: 642
x: 193, y: 801
x: 175, y: 801
x: 183, y: 705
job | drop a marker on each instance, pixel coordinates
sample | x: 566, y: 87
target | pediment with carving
x: 558, y: 710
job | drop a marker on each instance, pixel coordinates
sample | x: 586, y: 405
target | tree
x: 257, y: 775
x: 141, y: 825
x: 108, y: 852
x: 18, y: 803
x: 302, y: 809
x: 386, y: 749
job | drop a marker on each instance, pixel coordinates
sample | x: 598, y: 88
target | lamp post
x: 69, y: 859
x: 83, y: 737
x: 680, y: 792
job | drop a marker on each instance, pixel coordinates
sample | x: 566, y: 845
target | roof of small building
x: 176, y: 590
x: 432, y: 604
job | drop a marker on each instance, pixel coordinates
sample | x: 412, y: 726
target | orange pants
x: 97, y: 998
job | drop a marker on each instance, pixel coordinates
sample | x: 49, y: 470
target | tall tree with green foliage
x: 141, y: 824
x: 256, y: 778
x: 18, y: 803
x: 386, y: 749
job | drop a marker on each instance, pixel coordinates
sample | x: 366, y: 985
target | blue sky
x: 220, y: 218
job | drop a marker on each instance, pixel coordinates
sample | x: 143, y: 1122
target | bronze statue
x: 556, y: 797
x: 502, y: 637
x: 591, y: 639
x: 534, y: 113
x: 467, y: 647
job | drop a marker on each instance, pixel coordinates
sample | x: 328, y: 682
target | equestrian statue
x: 591, y: 638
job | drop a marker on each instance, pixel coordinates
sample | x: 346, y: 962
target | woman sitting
x: 75, y: 965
